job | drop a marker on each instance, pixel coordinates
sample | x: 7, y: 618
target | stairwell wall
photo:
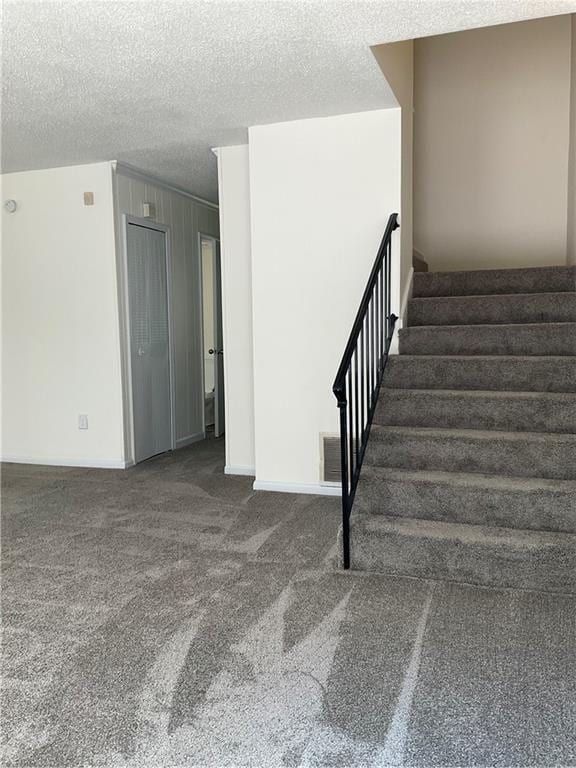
x: 572, y: 153
x: 491, y: 142
x: 321, y: 191
x: 396, y: 60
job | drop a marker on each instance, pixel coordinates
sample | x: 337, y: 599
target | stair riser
x: 475, y: 310
x: 547, y: 568
x: 489, y: 340
x: 502, y: 374
x: 539, y: 510
x: 550, y: 458
x: 490, y: 282
x: 431, y: 409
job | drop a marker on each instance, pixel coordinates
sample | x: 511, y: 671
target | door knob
x: 141, y: 351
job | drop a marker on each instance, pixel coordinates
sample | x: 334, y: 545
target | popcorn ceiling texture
x: 156, y: 84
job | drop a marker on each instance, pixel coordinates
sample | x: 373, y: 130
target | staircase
x: 470, y: 469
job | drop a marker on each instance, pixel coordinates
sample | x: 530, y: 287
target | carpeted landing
x: 170, y: 616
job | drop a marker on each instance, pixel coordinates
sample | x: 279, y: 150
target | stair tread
x: 491, y: 556
x: 495, y: 281
x: 508, y: 309
x: 474, y: 480
x: 478, y: 393
x: 498, y: 410
x: 475, y: 327
x: 481, y: 296
x: 464, y: 532
x: 379, y: 431
x: 502, y: 270
x: 546, y: 373
x: 506, y: 339
x: 523, y: 358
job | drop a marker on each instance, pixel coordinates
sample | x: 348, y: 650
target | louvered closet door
x: 149, y: 341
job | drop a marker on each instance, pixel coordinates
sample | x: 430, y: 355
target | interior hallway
x: 170, y: 616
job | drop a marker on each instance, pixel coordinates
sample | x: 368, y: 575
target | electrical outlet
x: 82, y: 421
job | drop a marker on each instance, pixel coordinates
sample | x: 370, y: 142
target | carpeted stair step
x: 495, y: 281
x: 454, y: 497
x: 516, y: 454
x: 530, y: 339
x: 465, y: 409
x: 524, y: 374
x: 505, y: 309
x: 488, y: 556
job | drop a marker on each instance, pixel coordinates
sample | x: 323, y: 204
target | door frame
x: 129, y: 399
x: 216, y: 241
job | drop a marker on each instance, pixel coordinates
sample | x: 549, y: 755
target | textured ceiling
x: 157, y: 83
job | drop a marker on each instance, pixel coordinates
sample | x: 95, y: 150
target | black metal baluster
x: 351, y: 454
x: 368, y: 376
x: 362, y: 349
x: 375, y: 339
x: 371, y: 362
x: 357, y: 411
x: 381, y: 322
x: 344, y: 409
x: 388, y: 274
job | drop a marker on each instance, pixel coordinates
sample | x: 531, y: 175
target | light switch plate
x: 148, y: 210
x: 82, y: 421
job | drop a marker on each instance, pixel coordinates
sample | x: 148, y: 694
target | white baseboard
x: 87, y: 463
x: 312, y: 488
x: 231, y: 470
x: 182, y: 442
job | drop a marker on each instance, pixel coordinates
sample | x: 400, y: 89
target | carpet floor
x: 170, y: 616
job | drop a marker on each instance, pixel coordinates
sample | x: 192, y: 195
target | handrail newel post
x: 343, y: 406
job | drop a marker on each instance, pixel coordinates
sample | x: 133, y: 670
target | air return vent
x: 330, y: 469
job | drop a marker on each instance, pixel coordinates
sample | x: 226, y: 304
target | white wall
x: 60, y: 323
x: 491, y: 127
x: 186, y: 219
x: 236, y: 260
x: 572, y: 153
x: 396, y: 60
x: 321, y: 192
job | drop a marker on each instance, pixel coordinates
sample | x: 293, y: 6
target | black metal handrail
x: 360, y: 374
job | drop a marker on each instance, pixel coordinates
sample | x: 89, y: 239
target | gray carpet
x: 469, y: 469
x: 170, y: 616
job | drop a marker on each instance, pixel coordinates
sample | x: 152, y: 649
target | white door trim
x: 126, y: 343
x: 216, y: 241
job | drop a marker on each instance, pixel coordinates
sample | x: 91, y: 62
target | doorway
x: 212, y: 330
x: 149, y: 338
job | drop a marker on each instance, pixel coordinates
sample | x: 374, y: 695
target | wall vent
x: 330, y: 458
